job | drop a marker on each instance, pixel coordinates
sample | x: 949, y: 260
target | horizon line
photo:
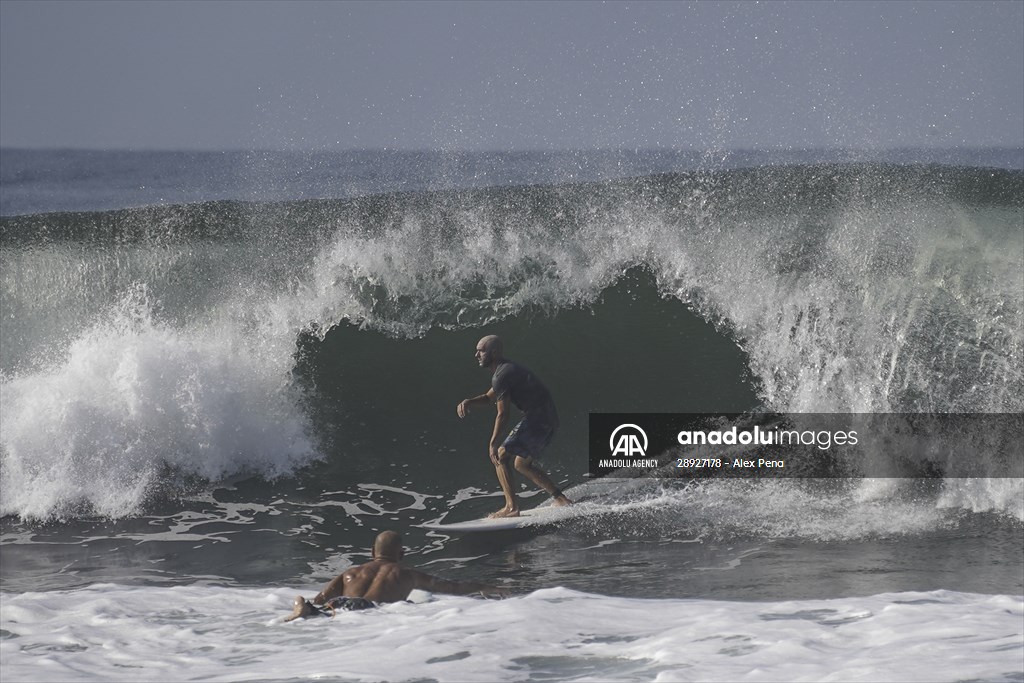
x: 437, y: 150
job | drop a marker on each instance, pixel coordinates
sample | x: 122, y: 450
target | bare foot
x: 560, y: 501
x: 302, y: 609
x: 504, y: 512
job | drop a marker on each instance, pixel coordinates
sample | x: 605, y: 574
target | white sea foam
x: 984, y: 495
x: 112, y: 633
x: 136, y: 403
x: 806, y: 510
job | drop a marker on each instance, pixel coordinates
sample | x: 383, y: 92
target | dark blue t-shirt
x: 522, y: 387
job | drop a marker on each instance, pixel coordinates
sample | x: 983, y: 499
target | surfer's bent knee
x: 523, y: 463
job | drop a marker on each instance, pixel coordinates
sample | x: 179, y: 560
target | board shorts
x: 532, y: 435
x: 348, y: 604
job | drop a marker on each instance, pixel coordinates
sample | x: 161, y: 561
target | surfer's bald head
x: 490, y: 351
x: 492, y: 343
x: 388, y: 546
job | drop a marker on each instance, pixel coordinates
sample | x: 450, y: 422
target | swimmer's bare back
x: 387, y: 581
x: 379, y: 581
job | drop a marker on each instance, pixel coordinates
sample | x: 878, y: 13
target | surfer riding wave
x: 515, y: 384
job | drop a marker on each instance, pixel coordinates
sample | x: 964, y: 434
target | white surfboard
x: 536, y: 517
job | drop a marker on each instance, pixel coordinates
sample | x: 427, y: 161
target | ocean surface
x: 222, y: 374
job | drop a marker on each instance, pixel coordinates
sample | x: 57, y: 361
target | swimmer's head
x: 388, y: 546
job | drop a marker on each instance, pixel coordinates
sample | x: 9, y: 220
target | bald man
x: 513, y: 384
x: 381, y: 580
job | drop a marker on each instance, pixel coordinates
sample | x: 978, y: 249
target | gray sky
x: 510, y: 75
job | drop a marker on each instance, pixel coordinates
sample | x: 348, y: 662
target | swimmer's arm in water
x: 482, y: 400
x: 433, y: 584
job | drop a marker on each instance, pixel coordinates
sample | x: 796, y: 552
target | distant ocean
x: 221, y: 374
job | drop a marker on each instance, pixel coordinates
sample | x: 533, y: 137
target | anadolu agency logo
x: 628, y: 445
x: 628, y: 442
